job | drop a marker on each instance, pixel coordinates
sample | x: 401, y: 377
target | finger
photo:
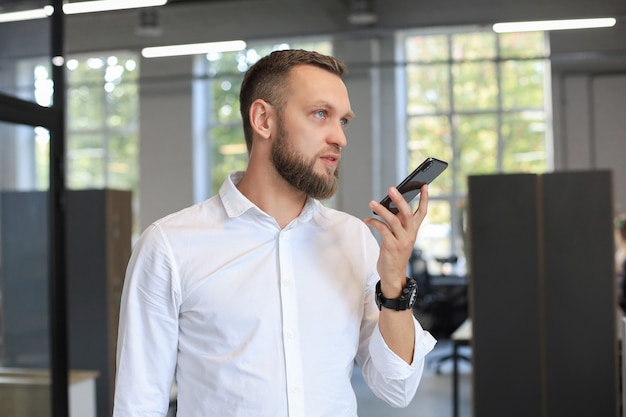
x: 420, y: 213
x: 422, y: 207
x: 405, y: 212
x: 383, y: 213
x: 380, y: 226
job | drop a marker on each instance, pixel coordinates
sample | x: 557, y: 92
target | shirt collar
x: 237, y: 204
x: 234, y: 202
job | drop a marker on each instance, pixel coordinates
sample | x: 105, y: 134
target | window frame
x: 455, y: 199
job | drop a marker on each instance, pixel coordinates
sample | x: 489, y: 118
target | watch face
x: 409, y: 293
x: 404, y: 302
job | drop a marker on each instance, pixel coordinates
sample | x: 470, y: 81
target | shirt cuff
x: 390, y: 365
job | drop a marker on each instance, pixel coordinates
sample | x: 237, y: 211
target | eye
x: 344, y: 122
x: 321, y: 114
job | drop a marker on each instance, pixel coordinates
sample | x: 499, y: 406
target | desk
x: 448, y: 280
x: 26, y: 392
x: 461, y: 337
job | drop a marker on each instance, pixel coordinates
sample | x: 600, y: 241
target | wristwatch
x: 404, y: 302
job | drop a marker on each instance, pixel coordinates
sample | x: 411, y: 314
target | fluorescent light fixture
x: 554, y: 25
x: 31, y: 14
x: 192, y: 49
x: 107, y: 5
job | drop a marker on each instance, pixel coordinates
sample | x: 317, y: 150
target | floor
x: 434, y: 395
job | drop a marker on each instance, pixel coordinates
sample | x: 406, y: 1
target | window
x: 221, y: 145
x: 476, y: 99
x: 102, y: 121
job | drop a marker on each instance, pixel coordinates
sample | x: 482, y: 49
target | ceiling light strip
x: 192, y: 49
x: 108, y: 5
x: 544, y: 25
x: 32, y: 14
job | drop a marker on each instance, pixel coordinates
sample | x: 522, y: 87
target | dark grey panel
x: 505, y: 295
x: 580, y: 298
x: 24, y: 279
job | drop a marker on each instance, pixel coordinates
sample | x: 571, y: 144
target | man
x: 257, y: 301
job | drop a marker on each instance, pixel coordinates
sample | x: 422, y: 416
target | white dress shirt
x: 253, y: 320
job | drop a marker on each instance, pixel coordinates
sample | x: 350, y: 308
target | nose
x: 338, y: 137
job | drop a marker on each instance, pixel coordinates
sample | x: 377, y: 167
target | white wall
x: 609, y: 131
x: 592, y: 127
x: 165, y: 151
x: 589, y: 87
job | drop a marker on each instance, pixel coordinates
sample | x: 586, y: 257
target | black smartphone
x: 425, y: 173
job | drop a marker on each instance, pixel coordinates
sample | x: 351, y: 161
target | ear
x: 262, y: 117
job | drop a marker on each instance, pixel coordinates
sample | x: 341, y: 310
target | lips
x: 331, y: 160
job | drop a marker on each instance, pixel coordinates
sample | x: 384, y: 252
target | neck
x: 272, y: 194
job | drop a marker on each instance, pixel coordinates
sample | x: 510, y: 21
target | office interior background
x: 425, y: 79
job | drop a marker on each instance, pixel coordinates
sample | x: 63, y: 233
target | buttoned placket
x: 291, y: 340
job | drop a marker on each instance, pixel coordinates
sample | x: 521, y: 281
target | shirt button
x: 290, y: 334
x: 295, y: 388
x: 285, y: 282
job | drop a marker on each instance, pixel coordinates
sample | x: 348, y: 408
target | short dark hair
x: 267, y: 80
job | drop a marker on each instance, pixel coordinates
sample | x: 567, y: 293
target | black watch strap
x: 404, y: 302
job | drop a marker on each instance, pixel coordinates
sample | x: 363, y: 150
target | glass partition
x: 24, y: 272
x: 29, y: 374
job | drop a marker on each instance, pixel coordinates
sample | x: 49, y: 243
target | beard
x: 300, y: 173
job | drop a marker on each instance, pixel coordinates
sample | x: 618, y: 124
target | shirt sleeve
x: 389, y: 377
x: 148, y: 330
x: 396, y: 379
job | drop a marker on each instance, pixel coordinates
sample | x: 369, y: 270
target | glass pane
x: 222, y: 63
x: 86, y: 71
x: 24, y: 157
x: 28, y: 79
x: 428, y: 89
x: 123, y: 108
x: 477, y: 147
x: 36, y: 78
x: 320, y: 46
x: 22, y: 41
x: 524, y: 142
x: 426, y: 48
x: 430, y: 136
x: 523, y: 84
x: 229, y: 153
x: 523, y: 45
x: 231, y: 63
x: 86, y: 156
x: 475, y: 86
x: 434, y: 238
x: 85, y: 107
x: 225, y: 92
x: 472, y: 46
x: 24, y: 328
x: 121, y: 90
x: 122, y: 167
